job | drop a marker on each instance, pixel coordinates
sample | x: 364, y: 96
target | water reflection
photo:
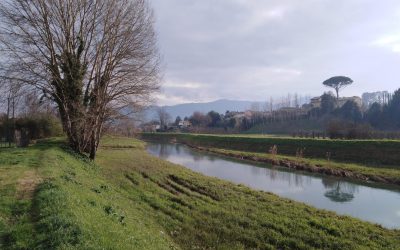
x: 368, y: 203
x: 177, y: 148
x: 165, y: 151
x: 339, y: 191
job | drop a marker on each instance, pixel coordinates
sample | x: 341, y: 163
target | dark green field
x: 53, y: 199
x: 288, y: 127
x: 368, y: 152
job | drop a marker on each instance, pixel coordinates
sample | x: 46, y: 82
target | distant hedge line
x: 35, y: 127
x: 386, y: 152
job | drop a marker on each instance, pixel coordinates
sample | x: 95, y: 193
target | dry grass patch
x: 27, y: 184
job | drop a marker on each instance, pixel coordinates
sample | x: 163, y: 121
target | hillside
x: 187, y: 109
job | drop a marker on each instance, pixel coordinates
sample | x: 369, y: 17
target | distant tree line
x: 349, y: 120
x: 327, y: 115
x: 385, y: 116
x: 212, y: 120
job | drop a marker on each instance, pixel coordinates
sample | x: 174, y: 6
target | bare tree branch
x: 87, y: 56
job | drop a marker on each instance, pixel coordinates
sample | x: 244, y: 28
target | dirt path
x: 27, y: 184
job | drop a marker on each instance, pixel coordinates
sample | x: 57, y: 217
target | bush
x: 335, y: 129
x: 41, y: 127
x: 339, y: 129
x: 31, y: 128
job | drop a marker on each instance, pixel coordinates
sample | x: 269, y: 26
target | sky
x: 257, y: 49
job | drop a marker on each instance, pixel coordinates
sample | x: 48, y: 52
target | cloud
x: 391, y: 42
x: 164, y: 99
x: 242, y: 49
x: 184, y: 85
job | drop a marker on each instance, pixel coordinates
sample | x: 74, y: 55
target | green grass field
x: 51, y: 198
x: 288, y: 127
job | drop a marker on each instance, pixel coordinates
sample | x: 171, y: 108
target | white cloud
x: 286, y: 71
x: 263, y: 76
x: 163, y: 99
x: 182, y: 85
x: 253, y: 49
x: 391, y: 42
x: 258, y: 17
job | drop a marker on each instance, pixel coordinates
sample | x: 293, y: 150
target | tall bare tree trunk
x: 93, y: 58
x: 8, y: 122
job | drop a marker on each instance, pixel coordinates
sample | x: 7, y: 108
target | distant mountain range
x: 187, y: 109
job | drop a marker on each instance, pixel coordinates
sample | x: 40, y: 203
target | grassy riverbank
x: 367, y: 152
x: 51, y: 198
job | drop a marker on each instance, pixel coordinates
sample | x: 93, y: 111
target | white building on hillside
x: 316, y: 101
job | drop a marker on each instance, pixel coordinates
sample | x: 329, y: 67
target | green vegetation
x: 132, y: 200
x: 51, y: 198
x: 37, y: 126
x: 368, y: 152
x: 287, y: 127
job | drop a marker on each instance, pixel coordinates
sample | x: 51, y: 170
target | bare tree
x: 296, y: 100
x: 271, y: 108
x: 265, y: 107
x: 11, y: 93
x: 163, y: 117
x: 289, y: 100
x: 122, y: 127
x: 32, y: 104
x: 255, y: 106
x: 90, y: 57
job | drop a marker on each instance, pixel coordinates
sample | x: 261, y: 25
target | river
x: 374, y: 203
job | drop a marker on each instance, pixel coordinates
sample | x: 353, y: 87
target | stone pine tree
x: 337, y: 83
x: 92, y: 58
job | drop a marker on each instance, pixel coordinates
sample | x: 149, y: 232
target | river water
x: 373, y: 203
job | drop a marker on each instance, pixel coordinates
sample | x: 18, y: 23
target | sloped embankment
x: 67, y: 204
x: 201, y: 212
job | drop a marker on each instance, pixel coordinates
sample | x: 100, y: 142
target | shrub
x: 30, y: 128
x: 339, y: 129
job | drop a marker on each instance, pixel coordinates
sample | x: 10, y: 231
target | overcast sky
x: 254, y: 49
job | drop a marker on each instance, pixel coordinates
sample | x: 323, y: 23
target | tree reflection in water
x: 164, y: 151
x: 339, y: 191
x: 177, y: 148
x: 195, y: 155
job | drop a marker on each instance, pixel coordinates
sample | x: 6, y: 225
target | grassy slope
x: 74, y: 207
x: 204, y: 212
x: 133, y: 200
